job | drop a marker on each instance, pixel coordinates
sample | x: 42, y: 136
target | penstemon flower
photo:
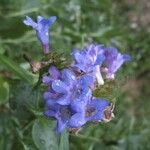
x: 91, y: 109
x: 114, y: 60
x: 41, y: 28
x: 89, y: 61
x: 61, y: 113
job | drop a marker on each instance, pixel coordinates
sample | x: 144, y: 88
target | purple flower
x: 69, y: 100
x: 41, y: 28
x: 89, y: 61
x: 114, y: 61
x: 54, y: 74
x: 67, y: 88
x: 88, y: 110
x: 61, y: 113
x: 62, y: 92
x: 96, y: 109
x: 78, y: 112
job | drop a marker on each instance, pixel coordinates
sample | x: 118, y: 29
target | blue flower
x: 62, y: 92
x: 66, y: 87
x: 69, y: 100
x: 61, y: 113
x: 96, y: 109
x: 54, y: 74
x: 41, y: 28
x: 114, y: 60
x: 89, y: 61
x: 79, y: 112
x: 91, y: 109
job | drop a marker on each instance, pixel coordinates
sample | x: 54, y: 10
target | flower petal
x: 87, y: 80
x: 68, y: 76
x: 99, y: 105
x: 114, y: 60
x: 52, y: 19
x: 77, y: 120
x: 100, y: 59
x: 54, y: 72
x: 97, y: 74
x: 46, y: 80
x: 64, y: 100
x: 78, y: 57
x: 61, y: 125
x: 39, y: 18
x: 29, y: 22
x: 59, y: 86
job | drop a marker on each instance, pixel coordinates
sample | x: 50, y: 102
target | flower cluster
x: 69, y: 99
x: 69, y: 96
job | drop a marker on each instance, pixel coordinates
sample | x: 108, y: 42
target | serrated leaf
x: 20, y: 72
x: 43, y: 134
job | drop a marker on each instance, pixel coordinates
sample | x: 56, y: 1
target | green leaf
x: 31, y: 4
x: 1, y: 50
x: 44, y: 135
x: 4, y: 91
x: 20, y: 72
x: 64, y: 142
x: 23, y: 98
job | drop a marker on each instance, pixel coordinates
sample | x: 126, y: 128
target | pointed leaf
x: 20, y: 72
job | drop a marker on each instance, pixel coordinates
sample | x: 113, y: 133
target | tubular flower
x: 89, y: 61
x: 114, y: 60
x: 88, y: 110
x: 41, y: 27
x: 61, y: 113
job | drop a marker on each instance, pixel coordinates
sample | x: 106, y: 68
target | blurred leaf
x: 4, y: 91
x: 44, y: 135
x: 1, y: 50
x: 26, y: 11
x: 64, y: 141
x: 20, y: 72
x: 24, y: 146
x: 24, y: 98
x: 6, y: 130
x: 30, y: 4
